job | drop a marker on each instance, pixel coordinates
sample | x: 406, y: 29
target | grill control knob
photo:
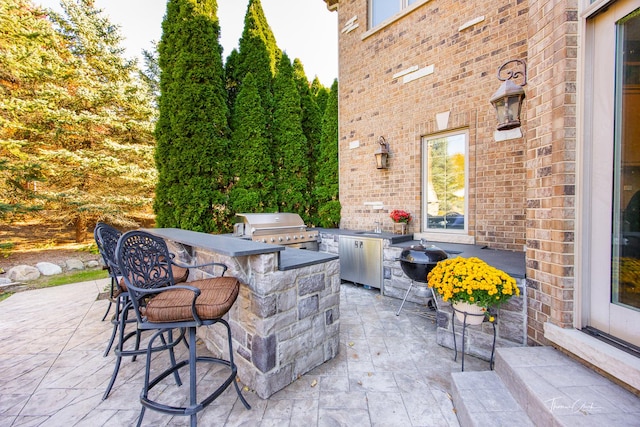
x: 264, y: 240
x: 280, y: 239
x: 295, y: 237
x: 273, y: 240
x: 288, y: 238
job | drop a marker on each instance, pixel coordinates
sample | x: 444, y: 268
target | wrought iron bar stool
x: 107, y: 239
x: 161, y: 305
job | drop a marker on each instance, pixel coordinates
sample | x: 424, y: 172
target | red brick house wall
x: 550, y: 164
x: 373, y: 103
x: 521, y: 191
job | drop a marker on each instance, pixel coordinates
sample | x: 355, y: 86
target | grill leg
x: 404, y: 299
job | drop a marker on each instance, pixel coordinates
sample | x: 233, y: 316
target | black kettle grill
x: 417, y: 261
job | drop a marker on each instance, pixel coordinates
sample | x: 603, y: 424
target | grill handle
x: 261, y: 230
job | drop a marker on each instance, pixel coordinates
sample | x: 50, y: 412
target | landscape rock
x: 23, y: 273
x: 48, y: 268
x: 5, y: 281
x: 74, y: 264
x: 93, y: 264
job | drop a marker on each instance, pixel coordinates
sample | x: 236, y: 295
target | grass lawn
x: 57, y: 280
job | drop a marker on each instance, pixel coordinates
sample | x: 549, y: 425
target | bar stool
x: 107, y: 238
x: 161, y: 305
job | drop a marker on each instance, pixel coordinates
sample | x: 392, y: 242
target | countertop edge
x: 222, y: 244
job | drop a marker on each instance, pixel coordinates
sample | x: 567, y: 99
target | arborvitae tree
x: 326, y: 190
x: 231, y: 80
x: 75, y: 116
x: 258, y: 54
x: 292, y: 166
x: 311, y: 127
x: 192, y: 131
x: 253, y: 190
x: 321, y: 93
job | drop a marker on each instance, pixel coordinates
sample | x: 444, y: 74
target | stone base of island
x: 286, y: 320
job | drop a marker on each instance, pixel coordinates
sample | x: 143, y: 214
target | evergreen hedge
x: 192, y: 130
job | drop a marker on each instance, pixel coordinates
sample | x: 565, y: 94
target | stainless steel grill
x: 276, y: 228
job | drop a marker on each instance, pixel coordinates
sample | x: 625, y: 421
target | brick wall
x: 521, y: 192
x: 374, y: 103
x: 550, y: 163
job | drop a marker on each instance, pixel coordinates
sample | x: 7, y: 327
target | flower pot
x: 400, y: 227
x: 475, y: 313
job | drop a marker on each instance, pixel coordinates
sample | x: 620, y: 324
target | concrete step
x: 539, y: 386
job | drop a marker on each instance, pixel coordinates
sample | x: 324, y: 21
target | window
x: 445, y: 182
x: 626, y: 198
x: 381, y: 10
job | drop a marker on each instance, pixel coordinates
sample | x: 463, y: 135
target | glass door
x: 613, y: 53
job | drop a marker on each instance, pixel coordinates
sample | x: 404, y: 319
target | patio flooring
x: 389, y: 371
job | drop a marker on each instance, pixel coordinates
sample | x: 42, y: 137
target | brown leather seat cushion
x: 217, y: 296
x: 180, y: 274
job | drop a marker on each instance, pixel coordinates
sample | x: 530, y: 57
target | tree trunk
x: 81, y: 228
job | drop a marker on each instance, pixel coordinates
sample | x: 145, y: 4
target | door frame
x: 586, y: 173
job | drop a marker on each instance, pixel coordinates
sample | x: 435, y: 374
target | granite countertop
x: 226, y: 244
x: 292, y: 258
x: 512, y: 263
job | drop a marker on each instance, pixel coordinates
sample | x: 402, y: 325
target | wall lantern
x: 508, y: 98
x: 382, y: 154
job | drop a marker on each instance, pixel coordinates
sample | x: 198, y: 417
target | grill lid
x: 419, y: 254
x: 261, y: 223
x: 418, y: 260
x: 279, y: 227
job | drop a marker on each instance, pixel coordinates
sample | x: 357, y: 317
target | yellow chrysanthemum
x: 471, y: 280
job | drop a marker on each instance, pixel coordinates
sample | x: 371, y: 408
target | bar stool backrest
x: 107, y: 239
x: 144, y: 262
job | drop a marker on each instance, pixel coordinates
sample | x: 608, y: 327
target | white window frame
x: 446, y: 234
x: 404, y: 4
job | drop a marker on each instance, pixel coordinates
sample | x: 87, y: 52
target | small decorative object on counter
x: 401, y: 221
x: 471, y: 281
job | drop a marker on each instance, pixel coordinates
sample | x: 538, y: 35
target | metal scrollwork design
x: 513, y: 74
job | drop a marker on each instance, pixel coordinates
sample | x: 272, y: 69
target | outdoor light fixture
x: 382, y: 154
x: 508, y: 98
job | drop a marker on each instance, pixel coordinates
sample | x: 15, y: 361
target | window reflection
x: 626, y: 214
x: 445, y: 182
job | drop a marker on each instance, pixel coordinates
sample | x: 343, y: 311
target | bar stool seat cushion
x: 180, y: 274
x: 216, y: 298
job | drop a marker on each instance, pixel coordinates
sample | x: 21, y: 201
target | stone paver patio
x: 389, y: 372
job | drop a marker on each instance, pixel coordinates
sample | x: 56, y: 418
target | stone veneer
x: 284, y: 323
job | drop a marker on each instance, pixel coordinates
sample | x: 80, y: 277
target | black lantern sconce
x: 382, y: 154
x: 508, y: 98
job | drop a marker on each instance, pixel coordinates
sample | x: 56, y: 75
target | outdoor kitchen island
x: 286, y: 320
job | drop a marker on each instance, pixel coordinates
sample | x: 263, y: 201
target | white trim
x: 617, y: 363
x: 347, y: 30
x: 405, y: 71
x: 447, y: 237
x: 392, y: 19
x: 505, y: 135
x: 428, y: 70
x: 471, y: 23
